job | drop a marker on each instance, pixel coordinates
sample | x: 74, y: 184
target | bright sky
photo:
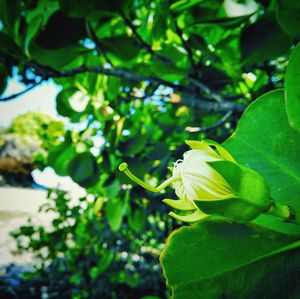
x: 39, y: 99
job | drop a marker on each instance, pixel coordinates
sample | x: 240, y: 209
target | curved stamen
x: 124, y: 168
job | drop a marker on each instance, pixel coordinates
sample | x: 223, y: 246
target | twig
x: 203, y: 87
x: 97, y: 43
x: 210, y: 127
x: 15, y: 95
x: 186, y: 46
x: 143, y: 43
x: 207, y: 90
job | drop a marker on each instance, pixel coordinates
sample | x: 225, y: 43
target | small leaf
x: 114, y: 213
x: 182, y: 5
x: 83, y: 169
x: 134, y: 145
x: 137, y: 220
x: 10, y: 14
x: 59, y: 158
x: 8, y: 46
x: 292, y: 90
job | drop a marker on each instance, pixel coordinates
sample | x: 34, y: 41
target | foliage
x: 140, y: 77
x: 85, y: 260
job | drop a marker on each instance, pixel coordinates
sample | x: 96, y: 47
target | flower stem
x: 124, y: 168
x: 284, y: 212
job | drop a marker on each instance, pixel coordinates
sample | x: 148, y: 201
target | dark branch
x: 207, y: 90
x: 97, y: 43
x: 116, y: 72
x: 188, y: 95
x: 186, y: 47
x: 193, y: 101
x: 196, y: 82
x: 15, y: 95
x: 210, y: 127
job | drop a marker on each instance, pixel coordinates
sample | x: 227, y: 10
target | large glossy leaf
x: 221, y: 260
x: 288, y: 16
x: 265, y: 142
x: 292, y: 90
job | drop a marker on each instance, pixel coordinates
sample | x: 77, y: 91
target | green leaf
x: 72, y: 103
x: 114, y: 213
x: 60, y: 156
x: 182, y: 5
x: 122, y: 47
x: 292, y: 90
x: 265, y: 142
x: 222, y: 260
x: 83, y: 169
x: 10, y: 16
x: 9, y: 47
x: 259, y: 39
x: 134, y: 145
x: 228, y: 23
x: 287, y: 13
x: 57, y: 58
x: 61, y: 31
x: 105, y: 262
x: 98, y: 205
x: 137, y: 220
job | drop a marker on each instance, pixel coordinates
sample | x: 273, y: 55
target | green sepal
x: 180, y: 204
x: 234, y: 209
x: 251, y: 194
x: 196, y: 216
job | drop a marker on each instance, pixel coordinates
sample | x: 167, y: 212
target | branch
x: 116, y: 72
x: 15, y: 95
x: 188, y: 96
x: 211, y: 107
x: 207, y: 90
x: 210, y: 127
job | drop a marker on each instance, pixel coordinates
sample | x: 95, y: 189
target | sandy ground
x: 16, y: 206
